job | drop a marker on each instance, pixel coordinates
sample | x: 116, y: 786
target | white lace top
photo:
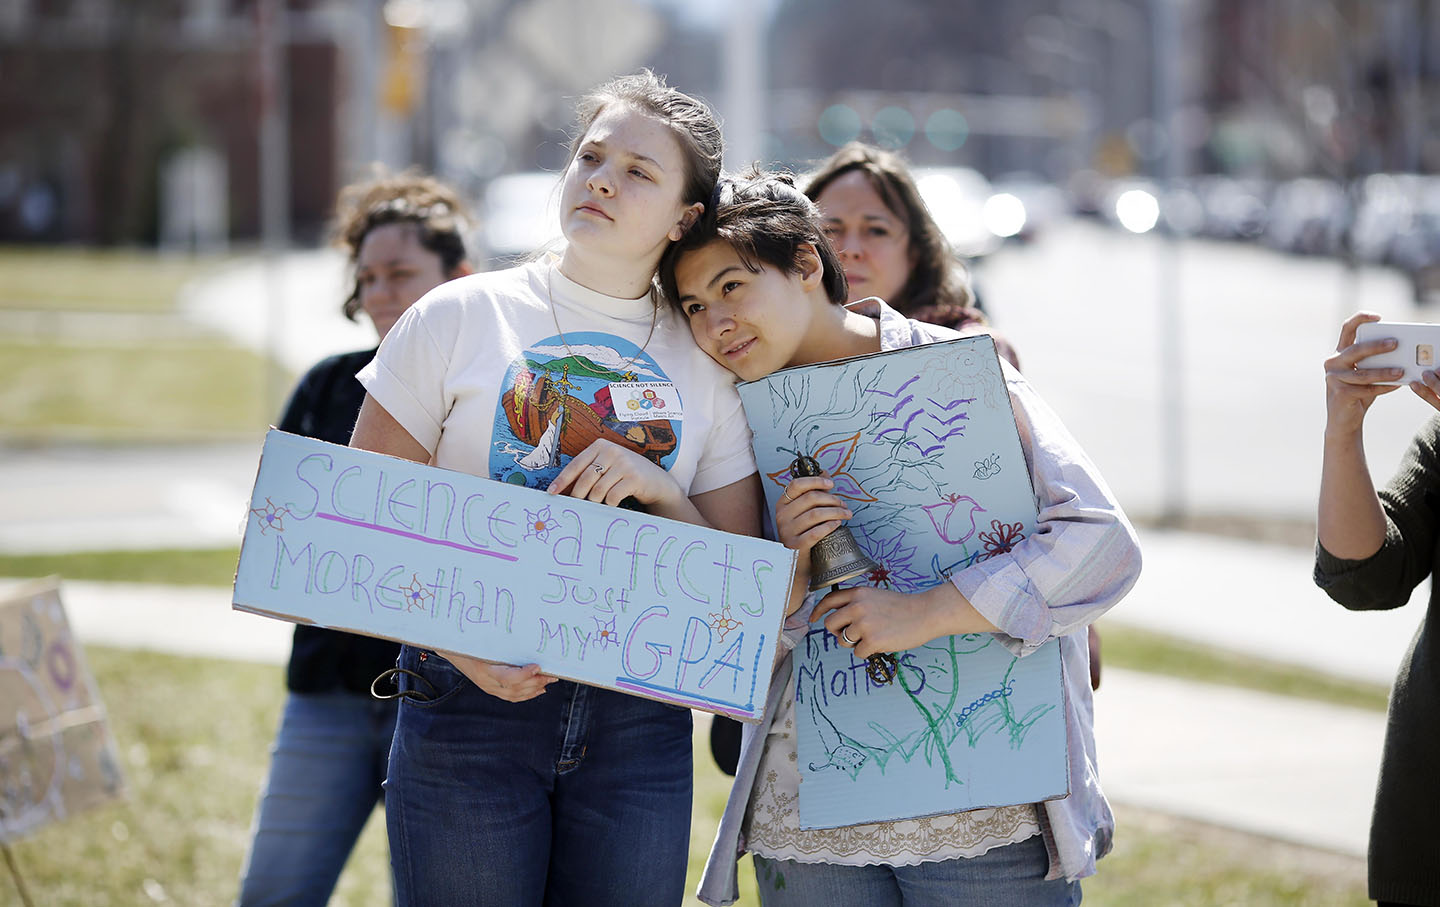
x: 772, y: 821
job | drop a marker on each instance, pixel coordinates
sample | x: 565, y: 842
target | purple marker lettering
x: 620, y: 597
x: 547, y: 634
x: 357, y: 582
x: 494, y: 518
x: 328, y: 464
x: 726, y: 568
x: 505, y: 609
x: 605, y: 546
x: 392, y: 597
x: 573, y: 540
x: 756, y: 570
x: 465, y: 521
x: 560, y: 595
x: 426, y: 524
x: 455, y: 604
x: 438, y: 590
x: 394, y: 501
x: 379, y: 495
x: 583, y: 638
x: 657, y: 651
x: 728, y: 660
x: 325, y: 569
x: 694, y: 628
x: 282, y: 554
x: 635, y: 552
x: 335, y: 495
x: 660, y: 563
x: 682, y: 578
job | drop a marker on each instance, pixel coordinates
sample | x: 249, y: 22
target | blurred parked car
x: 956, y: 197
x: 1023, y: 206
x: 1416, y: 248
x: 1308, y: 216
x: 1385, y: 208
x: 1232, y: 208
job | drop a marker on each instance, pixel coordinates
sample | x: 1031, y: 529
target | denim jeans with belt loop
x: 326, y: 769
x: 578, y: 796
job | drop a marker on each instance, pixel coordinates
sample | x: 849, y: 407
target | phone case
x: 1419, y: 348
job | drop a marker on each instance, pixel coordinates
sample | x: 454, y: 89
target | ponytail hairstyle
x: 693, y: 122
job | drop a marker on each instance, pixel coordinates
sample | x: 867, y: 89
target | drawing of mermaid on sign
x: 922, y: 446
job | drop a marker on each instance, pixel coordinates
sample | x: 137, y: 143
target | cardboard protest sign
x: 371, y: 544
x: 57, y: 756
x: 923, y: 447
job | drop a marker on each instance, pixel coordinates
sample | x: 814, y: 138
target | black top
x: 1404, y: 836
x: 324, y: 406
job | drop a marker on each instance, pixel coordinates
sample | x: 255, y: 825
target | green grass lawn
x: 168, y: 391
x: 59, y: 382
x: 112, y: 280
x: 193, y: 735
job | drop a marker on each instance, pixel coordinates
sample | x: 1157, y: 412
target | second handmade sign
x: 922, y: 446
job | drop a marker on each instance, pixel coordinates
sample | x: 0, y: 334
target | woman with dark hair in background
x: 403, y: 235
x: 890, y: 245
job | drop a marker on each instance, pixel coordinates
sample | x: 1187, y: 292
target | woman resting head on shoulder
x: 757, y: 279
x: 889, y: 244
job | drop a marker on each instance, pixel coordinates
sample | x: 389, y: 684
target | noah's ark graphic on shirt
x: 563, y: 394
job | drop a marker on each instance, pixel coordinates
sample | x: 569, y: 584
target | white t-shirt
x: 486, y: 375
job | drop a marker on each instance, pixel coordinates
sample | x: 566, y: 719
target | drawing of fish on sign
x: 925, y: 452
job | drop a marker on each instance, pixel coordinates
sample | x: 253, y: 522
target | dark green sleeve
x: 1411, y: 501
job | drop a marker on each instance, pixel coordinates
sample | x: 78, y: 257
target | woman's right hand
x: 502, y: 681
x: 807, y: 512
x: 1349, y: 389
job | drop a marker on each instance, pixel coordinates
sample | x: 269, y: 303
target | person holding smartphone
x: 1373, y: 548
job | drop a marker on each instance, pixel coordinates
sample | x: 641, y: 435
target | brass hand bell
x: 836, y: 558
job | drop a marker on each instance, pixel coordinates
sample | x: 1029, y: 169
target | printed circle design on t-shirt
x: 556, y: 399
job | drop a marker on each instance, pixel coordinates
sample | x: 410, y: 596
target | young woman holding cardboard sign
x: 763, y: 290
x: 508, y: 786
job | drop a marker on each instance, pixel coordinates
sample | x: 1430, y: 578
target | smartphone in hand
x: 1418, y: 350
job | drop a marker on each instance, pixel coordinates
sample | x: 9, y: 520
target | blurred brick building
x: 96, y: 95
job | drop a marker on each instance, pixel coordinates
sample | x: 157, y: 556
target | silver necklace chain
x: 550, y: 297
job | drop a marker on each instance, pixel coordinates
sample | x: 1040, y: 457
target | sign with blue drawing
x: 923, y: 447
x: 371, y: 544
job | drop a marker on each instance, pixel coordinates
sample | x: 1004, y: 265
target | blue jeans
x: 578, y: 796
x: 1008, y: 876
x: 326, y: 770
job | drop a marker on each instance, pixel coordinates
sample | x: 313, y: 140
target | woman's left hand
x: 878, y: 620
x: 607, y: 473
